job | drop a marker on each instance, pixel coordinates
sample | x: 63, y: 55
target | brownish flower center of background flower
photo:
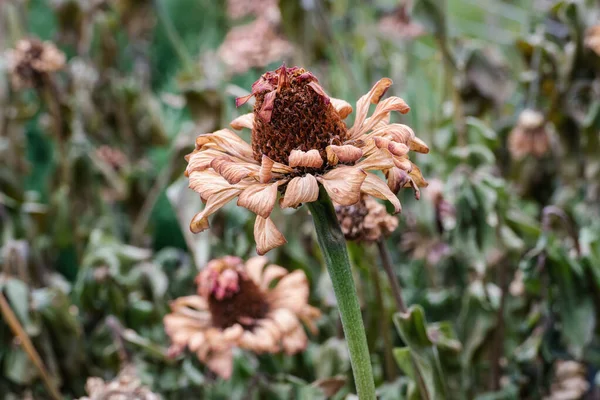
x: 293, y: 113
x: 243, y: 307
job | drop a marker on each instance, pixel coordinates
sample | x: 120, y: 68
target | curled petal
x: 403, y: 163
x: 374, y: 186
x: 200, y: 160
x: 345, y: 154
x: 266, y: 169
x: 259, y: 198
x: 397, y: 132
x: 417, y: 176
x: 254, y: 268
x: 240, y: 101
x: 381, y: 159
x: 343, y: 184
x: 342, y: 107
x: 207, y: 183
x: 372, y: 97
x: 319, y: 90
x: 397, y: 149
x: 267, y: 107
x: 221, y: 363
x: 232, y: 172
x: 243, y: 121
x: 419, y: 146
x: 396, y: 179
x: 266, y: 235
x: 309, y: 159
x: 214, y: 203
x: 228, y: 142
x: 303, y: 189
x: 382, y: 112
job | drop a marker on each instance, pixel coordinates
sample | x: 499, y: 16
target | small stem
x: 12, y: 321
x: 386, y: 260
x: 333, y: 245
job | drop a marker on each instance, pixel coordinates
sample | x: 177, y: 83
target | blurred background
x: 103, y: 98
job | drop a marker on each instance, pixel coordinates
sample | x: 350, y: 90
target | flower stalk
x: 333, y: 245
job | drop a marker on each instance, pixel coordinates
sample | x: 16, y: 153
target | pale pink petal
x: 382, y: 112
x: 221, y: 363
x: 259, y: 198
x: 271, y: 273
x: 342, y: 107
x: 376, y: 187
x: 397, y: 132
x: 362, y: 105
x: 397, y: 149
x: 254, y: 268
x: 233, y: 172
x: 285, y: 319
x: 344, y: 154
x: 266, y: 235
x: 310, y: 159
x: 266, y: 169
x: 214, y: 203
x: 200, y: 160
x: 343, y: 184
x: 229, y: 142
x: 233, y: 333
x: 295, y: 341
x: 196, y: 340
x: 403, y: 163
x: 243, y: 121
x: 380, y: 159
x: 303, y: 189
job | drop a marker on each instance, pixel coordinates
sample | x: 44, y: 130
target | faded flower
x: 569, y: 382
x: 126, y: 386
x: 367, y: 220
x: 529, y: 136
x: 256, y: 44
x: 252, y: 306
x: 399, y: 24
x: 237, y: 9
x: 112, y: 157
x: 592, y: 39
x: 31, y: 61
x: 300, y: 141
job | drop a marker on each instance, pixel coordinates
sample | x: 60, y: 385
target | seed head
x: 32, y: 60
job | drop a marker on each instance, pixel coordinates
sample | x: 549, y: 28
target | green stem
x: 333, y: 245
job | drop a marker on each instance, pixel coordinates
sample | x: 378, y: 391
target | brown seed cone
x: 367, y: 220
x: 301, y: 119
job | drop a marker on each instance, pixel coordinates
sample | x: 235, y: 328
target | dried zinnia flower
x: 252, y: 305
x: 592, y: 39
x: 31, y: 61
x: 241, y: 8
x: 529, y: 136
x: 366, y: 221
x: 112, y: 157
x: 256, y: 44
x: 399, y: 24
x: 569, y: 382
x: 300, y: 140
x: 125, y: 386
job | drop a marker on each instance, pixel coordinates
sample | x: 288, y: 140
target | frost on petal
x: 266, y: 235
x: 345, y: 154
x: 372, y: 97
x: 419, y: 146
x: 243, y: 121
x: 309, y: 159
x: 381, y: 159
x: 233, y: 172
x: 259, y: 198
x: 342, y: 107
x: 266, y: 169
x: 214, y: 203
x: 300, y: 190
x: 343, y: 184
x: 374, y: 186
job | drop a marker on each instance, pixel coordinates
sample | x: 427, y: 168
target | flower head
x: 592, y: 39
x: 252, y: 305
x: 570, y: 381
x: 31, y: 60
x: 256, y: 44
x: 300, y: 141
x: 530, y: 136
x: 399, y: 25
x: 125, y: 386
x: 237, y: 9
x: 367, y: 220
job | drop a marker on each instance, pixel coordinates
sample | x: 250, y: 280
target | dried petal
x: 342, y: 107
x: 343, y: 184
x: 239, y: 101
x: 214, y: 203
x: 345, y: 154
x: 267, y: 108
x: 319, y: 90
x: 300, y: 190
x: 243, y: 121
x: 379, y: 160
x: 266, y: 169
x: 309, y: 159
x: 419, y: 146
x: 231, y: 171
x: 372, y: 97
x: 259, y: 198
x: 374, y: 186
x: 266, y: 235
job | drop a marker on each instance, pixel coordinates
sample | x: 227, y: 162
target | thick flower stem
x: 333, y: 245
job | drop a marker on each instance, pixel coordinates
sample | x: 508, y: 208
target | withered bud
x: 366, y: 221
x: 32, y: 60
x: 530, y: 136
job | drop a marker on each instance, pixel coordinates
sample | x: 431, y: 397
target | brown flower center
x: 244, y: 307
x: 292, y: 112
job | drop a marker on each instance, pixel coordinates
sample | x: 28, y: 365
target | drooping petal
x: 403, y: 163
x: 243, y: 121
x: 309, y: 159
x: 417, y: 176
x: 232, y: 172
x: 397, y: 149
x: 254, y: 268
x: 382, y: 112
x: 396, y: 179
x: 271, y: 273
x: 266, y: 235
x: 221, y: 363
x: 259, y: 198
x: 419, y: 146
x: 379, y: 160
x: 344, y: 154
x: 266, y: 169
x: 228, y: 142
x: 207, y: 183
x: 214, y: 203
x: 362, y: 105
x: 397, y: 132
x: 295, y: 341
x: 343, y: 184
x: 303, y: 189
x: 376, y: 187
x: 267, y: 107
x: 319, y: 90
x: 200, y: 160
x: 240, y: 101
x: 342, y: 107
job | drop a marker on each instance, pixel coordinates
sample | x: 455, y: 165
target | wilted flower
x: 367, y: 220
x: 241, y: 8
x: 570, y: 381
x: 256, y: 44
x: 111, y: 156
x: 530, y: 136
x: 299, y: 140
x: 592, y: 39
x: 253, y: 306
x: 31, y: 60
x: 399, y: 24
x: 125, y: 386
